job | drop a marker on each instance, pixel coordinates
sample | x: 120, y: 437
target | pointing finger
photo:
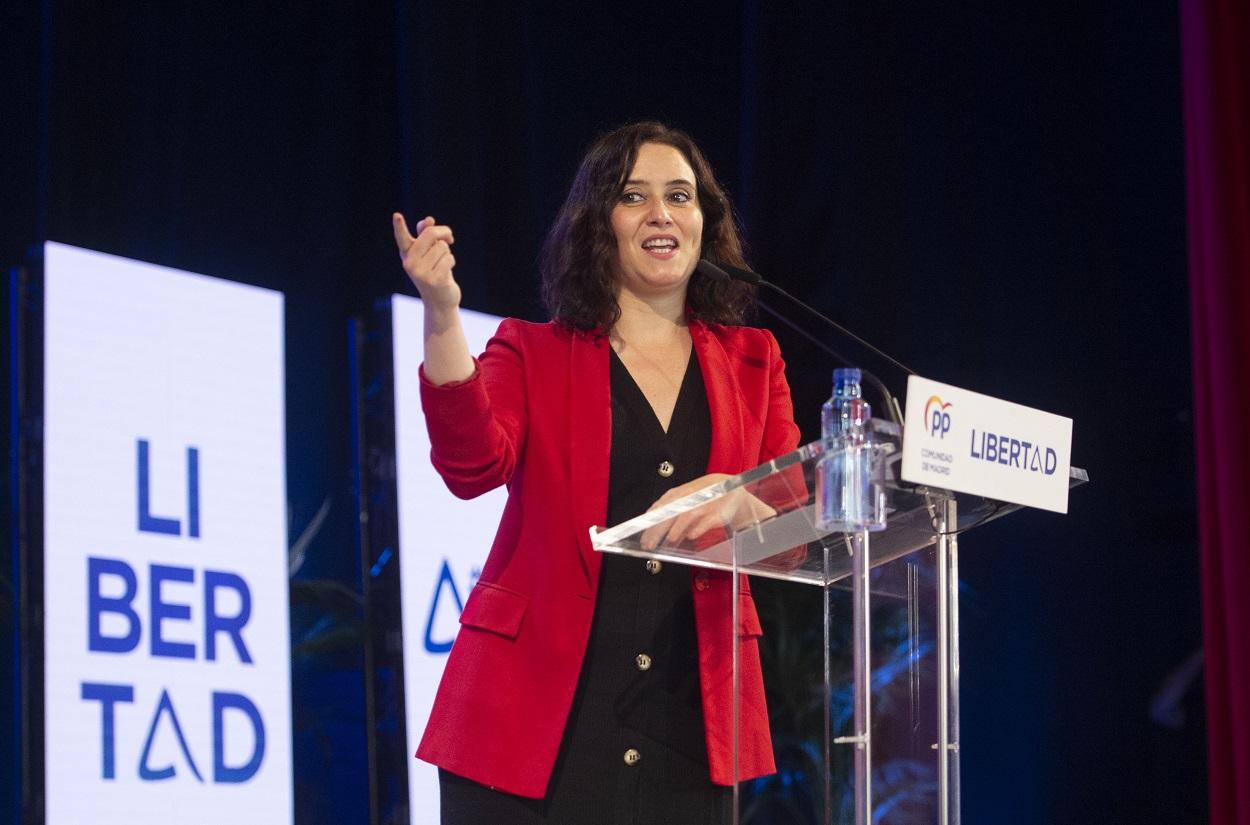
x: 403, y: 238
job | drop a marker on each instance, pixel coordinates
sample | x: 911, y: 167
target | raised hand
x: 428, y: 260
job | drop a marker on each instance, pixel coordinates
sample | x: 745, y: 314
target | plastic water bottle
x: 848, y: 490
x: 847, y: 384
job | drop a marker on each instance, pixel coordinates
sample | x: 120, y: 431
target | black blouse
x: 634, y: 751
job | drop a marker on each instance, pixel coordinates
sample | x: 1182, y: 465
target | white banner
x: 971, y: 443
x: 443, y: 542
x: 166, y: 646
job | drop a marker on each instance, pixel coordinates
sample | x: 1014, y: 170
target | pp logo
x: 937, y: 419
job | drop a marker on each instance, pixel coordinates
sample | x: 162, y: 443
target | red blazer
x: 537, y: 416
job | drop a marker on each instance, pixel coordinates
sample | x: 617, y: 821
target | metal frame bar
x: 948, y: 661
x: 861, y: 635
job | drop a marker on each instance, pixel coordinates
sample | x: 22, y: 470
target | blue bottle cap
x: 847, y: 375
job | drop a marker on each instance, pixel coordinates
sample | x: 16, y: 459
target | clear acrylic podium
x: 861, y: 668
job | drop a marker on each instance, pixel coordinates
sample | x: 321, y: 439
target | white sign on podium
x: 960, y: 440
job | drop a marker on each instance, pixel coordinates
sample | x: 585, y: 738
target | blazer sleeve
x: 477, y: 426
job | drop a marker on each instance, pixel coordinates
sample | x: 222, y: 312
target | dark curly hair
x: 579, y: 262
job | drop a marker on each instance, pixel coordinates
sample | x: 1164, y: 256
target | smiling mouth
x: 660, y: 247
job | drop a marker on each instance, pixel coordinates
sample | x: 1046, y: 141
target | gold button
x: 632, y: 757
x: 665, y: 469
x: 700, y: 581
x: 654, y: 566
x: 643, y: 661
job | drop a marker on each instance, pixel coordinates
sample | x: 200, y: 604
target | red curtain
x: 1215, y: 38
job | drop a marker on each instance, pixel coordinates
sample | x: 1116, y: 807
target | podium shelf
x: 768, y: 516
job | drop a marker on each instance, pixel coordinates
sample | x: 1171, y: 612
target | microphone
x: 733, y: 273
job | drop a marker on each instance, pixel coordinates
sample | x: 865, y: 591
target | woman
x: 585, y: 688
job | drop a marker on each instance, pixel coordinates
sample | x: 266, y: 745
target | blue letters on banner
x: 230, y: 625
x: 221, y: 771
x: 98, y: 604
x: 146, y: 772
x: 107, y: 696
x: 162, y: 610
x: 445, y: 583
x: 193, y: 492
x: 149, y: 523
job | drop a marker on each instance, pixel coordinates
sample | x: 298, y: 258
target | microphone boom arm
x: 755, y: 279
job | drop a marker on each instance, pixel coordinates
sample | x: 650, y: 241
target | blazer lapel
x: 723, y: 400
x: 590, y: 443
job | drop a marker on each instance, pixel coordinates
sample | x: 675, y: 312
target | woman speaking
x: 585, y: 688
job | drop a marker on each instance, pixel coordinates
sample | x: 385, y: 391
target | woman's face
x: 658, y: 222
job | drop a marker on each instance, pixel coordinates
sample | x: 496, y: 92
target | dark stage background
x: 994, y: 192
